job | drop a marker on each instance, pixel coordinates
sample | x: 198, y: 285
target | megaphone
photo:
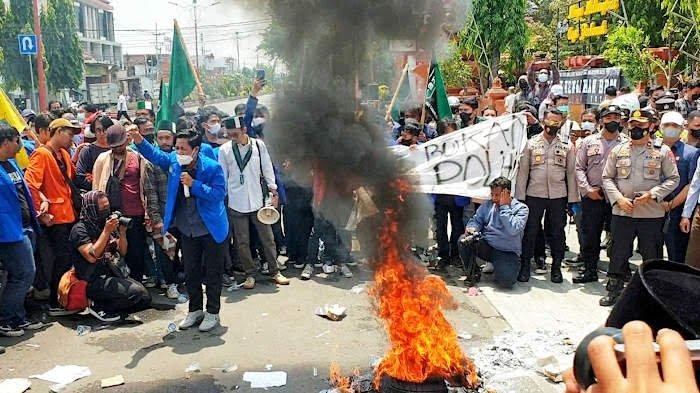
x: 268, y: 215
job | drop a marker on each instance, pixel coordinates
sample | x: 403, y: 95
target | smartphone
x: 260, y: 75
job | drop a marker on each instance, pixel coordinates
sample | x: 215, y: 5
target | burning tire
x: 392, y: 385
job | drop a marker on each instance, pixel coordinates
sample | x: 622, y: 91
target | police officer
x: 637, y: 178
x: 590, y: 162
x: 546, y: 178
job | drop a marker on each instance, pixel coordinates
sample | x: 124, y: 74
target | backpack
x: 72, y: 292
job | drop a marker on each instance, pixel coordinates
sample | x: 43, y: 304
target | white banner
x: 465, y: 162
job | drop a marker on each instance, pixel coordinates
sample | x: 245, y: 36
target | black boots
x: 555, y: 275
x: 614, y: 288
x: 590, y: 274
x: 524, y: 275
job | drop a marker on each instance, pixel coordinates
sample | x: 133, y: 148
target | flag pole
x: 200, y: 90
x: 427, y: 80
x: 404, y: 71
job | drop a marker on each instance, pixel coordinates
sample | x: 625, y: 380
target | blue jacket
x: 502, y: 226
x: 250, y: 107
x: 460, y: 201
x: 208, y: 189
x: 10, y: 211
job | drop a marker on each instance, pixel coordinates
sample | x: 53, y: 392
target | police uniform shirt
x: 590, y: 160
x: 639, y: 169
x: 547, y: 170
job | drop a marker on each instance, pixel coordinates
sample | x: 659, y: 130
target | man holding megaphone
x: 252, y: 196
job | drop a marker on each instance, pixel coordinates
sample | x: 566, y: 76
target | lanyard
x: 242, y: 162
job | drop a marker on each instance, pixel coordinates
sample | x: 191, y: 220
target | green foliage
x: 624, y: 48
x: 455, y: 71
x: 649, y: 17
x: 15, y: 68
x: 63, y: 51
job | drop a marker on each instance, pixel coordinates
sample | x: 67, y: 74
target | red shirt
x: 131, y: 187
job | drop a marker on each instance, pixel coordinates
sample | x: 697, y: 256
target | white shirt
x: 121, y: 103
x: 246, y: 197
x: 510, y: 102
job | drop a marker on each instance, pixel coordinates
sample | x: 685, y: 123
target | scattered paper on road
x: 113, y: 381
x: 334, y: 312
x: 63, y: 375
x: 15, y: 385
x: 263, y: 380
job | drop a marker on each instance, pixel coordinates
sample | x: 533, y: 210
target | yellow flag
x: 10, y: 115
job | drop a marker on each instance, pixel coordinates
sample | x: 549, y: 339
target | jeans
x: 118, y: 295
x: 555, y: 215
x: 506, y: 265
x: 447, y: 247
x: 675, y: 240
x: 691, y: 257
x: 593, y: 217
x: 298, y: 221
x: 18, y: 261
x: 334, y: 251
x: 56, y: 256
x: 649, y: 233
x: 241, y: 229
x: 136, y: 239
x: 204, y: 264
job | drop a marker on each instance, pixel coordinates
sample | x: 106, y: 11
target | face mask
x: 563, y: 108
x: 103, y: 215
x: 695, y: 133
x: 88, y: 132
x: 637, y: 133
x: 672, y: 132
x: 533, y: 130
x: 695, y: 97
x: 150, y: 138
x: 258, y: 121
x: 613, y: 126
x: 542, y: 78
x: 588, y: 126
x: 81, y: 117
x: 214, y: 129
x: 184, y: 160
x: 465, y: 117
x: 523, y: 85
x: 552, y: 130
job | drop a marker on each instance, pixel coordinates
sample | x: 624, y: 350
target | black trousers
x: 204, y: 264
x: 56, y: 256
x: 593, y: 217
x: 118, y: 295
x: 124, y: 114
x: 447, y: 247
x: 334, y: 251
x: 136, y: 248
x: 649, y: 233
x: 298, y: 221
x: 675, y: 240
x: 555, y: 219
x: 506, y: 265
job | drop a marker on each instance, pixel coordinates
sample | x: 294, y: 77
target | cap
x: 412, y: 126
x: 611, y: 109
x: 116, y: 135
x: 672, y: 118
x: 666, y: 103
x: 641, y: 116
x: 233, y: 122
x: 557, y: 90
x: 453, y: 101
x: 28, y: 113
x: 65, y: 123
x: 165, y: 125
x: 141, y: 105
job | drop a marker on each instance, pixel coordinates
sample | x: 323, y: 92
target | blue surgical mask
x: 588, y: 126
x: 563, y: 108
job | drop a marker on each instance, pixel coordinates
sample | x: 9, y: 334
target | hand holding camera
x: 118, y: 219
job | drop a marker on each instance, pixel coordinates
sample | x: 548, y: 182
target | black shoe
x: 574, y: 262
x: 555, y: 276
x: 586, y: 277
x: 524, y: 275
x: 30, y: 325
x: 610, y: 299
x: 104, y: 316
x: 9, y: 331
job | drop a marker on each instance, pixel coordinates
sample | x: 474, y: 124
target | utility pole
x: 238, y: 54
x: 196, y: 35
x: 43, y: 99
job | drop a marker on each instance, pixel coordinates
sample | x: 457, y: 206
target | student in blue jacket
x: 19, y: 224
x: 196, y: 206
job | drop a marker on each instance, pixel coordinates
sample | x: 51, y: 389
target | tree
x: 649, y: 17
x: 501, y: 25
x: 17, y: 20
x: 456, y: 72
x: 63, y: 51
x: 625, y: 48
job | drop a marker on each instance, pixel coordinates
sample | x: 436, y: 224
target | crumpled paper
x: 334, y: 312
x: 15, y: 385
x: 265, y: 379
x: 63, y: 375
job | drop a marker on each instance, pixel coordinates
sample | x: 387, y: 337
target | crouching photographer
x: 100, y: 242
x: 495, y: 235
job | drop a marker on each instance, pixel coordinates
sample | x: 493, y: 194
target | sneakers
x: 329, y: 269
x: 281, y: 266
x: 586, y: 277
x: 209, y: 322
x: 172, y: 292
x: 279, y: 279
x: 345, y: 270
x: 298, y: 264
x: 192, y: 318
x: 9, y: 331
x: 540, y: 267
x: 30, y: 325
x: 227, y: 281
x: 249, y: 283
x: 488, y: 268
x: 318, y: 265
x: 351, y: 262
x: 578, y: 261
x: 307, y: 272
x: 150, y: 282
x: 104, y: 316
x: 61, y: 312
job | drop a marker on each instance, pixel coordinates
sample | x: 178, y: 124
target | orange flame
x: 338, y: 381
x: 423, y: 343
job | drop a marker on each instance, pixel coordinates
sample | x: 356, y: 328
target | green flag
x: 436, y: 95
x: 403, y: 95
x: 182, y: 79
x: 163, y: 103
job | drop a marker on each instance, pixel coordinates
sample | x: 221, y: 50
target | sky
x: 136, y: 21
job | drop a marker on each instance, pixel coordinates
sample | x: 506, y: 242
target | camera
x: 472, y: 238
x: 123, y: 221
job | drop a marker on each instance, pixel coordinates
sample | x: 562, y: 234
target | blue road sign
x: 27, y: 44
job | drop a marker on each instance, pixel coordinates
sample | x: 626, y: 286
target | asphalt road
x: 229, y: 106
